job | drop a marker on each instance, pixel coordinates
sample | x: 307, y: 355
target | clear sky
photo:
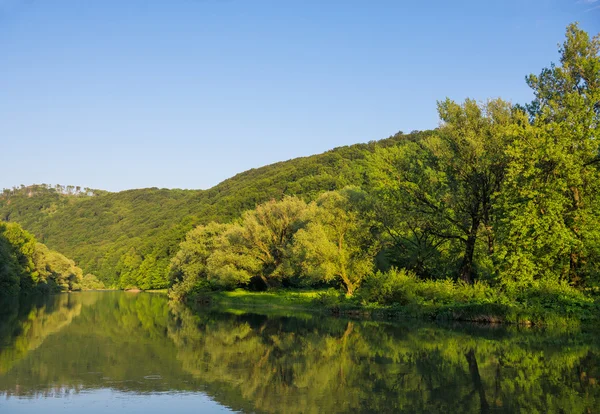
x: 185, y: 93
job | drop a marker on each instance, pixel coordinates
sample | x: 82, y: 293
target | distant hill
x: 114, y: 234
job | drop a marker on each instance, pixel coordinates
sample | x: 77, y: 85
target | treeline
x: 35, y: 189
x: 128, y: 238
x: 503, y: 194
x: 288, y: 242
x: 27, y: 266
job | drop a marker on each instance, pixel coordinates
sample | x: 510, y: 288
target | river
x: 120, y: 352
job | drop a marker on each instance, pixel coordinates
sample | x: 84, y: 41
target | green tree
x: 188, y: 268
x: 9, y: 267
x: 552, y: 197
x: 338, y: 244
x: 260, y: 242
x: 447, y: 186
x: 407, y: 237
x: 21, y: 247
x: 26, y: 265
x: 91, y: 282
x: 235, y: 261
x: 56, y: 270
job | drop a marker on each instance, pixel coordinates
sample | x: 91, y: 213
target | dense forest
x: 501, y: 197
x: 27, y: 266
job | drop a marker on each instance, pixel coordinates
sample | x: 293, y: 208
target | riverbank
x: 536, y: 312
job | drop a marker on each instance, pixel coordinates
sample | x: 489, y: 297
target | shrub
x: 552, y: 294
x: 331, y: 299
x: 402, y: 287
x: 386, y: 288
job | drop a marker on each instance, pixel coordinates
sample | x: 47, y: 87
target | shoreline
x: 315, y: 302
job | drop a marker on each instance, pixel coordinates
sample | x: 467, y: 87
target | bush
x: 447, y: 291
x: 193, y: 288
x: 331, y: 299
x: 553, y: 295
x: 402, y: 287
x: 541, y: 302
x: 386, y: 288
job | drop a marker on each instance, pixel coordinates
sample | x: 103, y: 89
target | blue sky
x: 185, y: 93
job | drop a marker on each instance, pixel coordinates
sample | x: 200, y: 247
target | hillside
x: 27, y: 266
x: 115, y: 235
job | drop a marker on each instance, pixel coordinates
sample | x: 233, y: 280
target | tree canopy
x: 26, y: 265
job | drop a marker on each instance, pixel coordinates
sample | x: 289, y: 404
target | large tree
x: 551, y: 201
x: 408, y: 241
x: 190, y: 262
x: 266, y: 232
x: 26, y: 265
x: 446, y: 187
x: 338, y: 244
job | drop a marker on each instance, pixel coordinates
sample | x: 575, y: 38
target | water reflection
x: 139, y: 344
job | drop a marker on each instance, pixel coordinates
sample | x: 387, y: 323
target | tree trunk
x: 574, y: 277
x: 348, y: 284
x: 575, y: 255
x: 265, y: 281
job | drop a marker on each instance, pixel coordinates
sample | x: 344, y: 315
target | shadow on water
x: 141, y: 343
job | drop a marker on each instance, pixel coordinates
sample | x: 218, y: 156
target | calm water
x: 121, y: 352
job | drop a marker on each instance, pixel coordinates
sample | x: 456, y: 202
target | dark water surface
x: 118, y: 352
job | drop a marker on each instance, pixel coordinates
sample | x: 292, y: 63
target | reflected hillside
x: 139, y: 343
x: 120, y: 342
x: 289, y: 365
x: 32, y: 322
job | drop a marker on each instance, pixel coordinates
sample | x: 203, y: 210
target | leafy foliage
x: 26, y: 265
x: 338, y: 244
x: 543, y: 302
x: 550, y: 203
x: 281, y: 242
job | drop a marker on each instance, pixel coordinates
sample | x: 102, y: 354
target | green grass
x: 431, y: 306
x: 281, y: 302
x: 274, y: 298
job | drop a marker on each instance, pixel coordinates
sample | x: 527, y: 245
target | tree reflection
x: 283, y: 364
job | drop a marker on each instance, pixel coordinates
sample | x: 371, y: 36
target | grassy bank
x: 281, y: 298
x: 538, y: 304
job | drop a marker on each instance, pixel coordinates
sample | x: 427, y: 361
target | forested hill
x: 127, y: 238
x: 27, y: 266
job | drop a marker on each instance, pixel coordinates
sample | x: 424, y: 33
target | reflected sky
x: 107, y: 400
